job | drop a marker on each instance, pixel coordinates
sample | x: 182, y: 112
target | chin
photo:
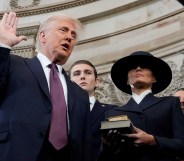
x: 183, y: 110
x: 85, y: 88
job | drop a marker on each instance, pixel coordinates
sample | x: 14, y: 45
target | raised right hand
x: 8, y: 27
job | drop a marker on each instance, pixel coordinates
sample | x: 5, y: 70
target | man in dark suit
x: 158, y: 121
x: 84, y: 74
x: 26, y: 104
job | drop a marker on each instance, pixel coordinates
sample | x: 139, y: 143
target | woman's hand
x: 140, y: 137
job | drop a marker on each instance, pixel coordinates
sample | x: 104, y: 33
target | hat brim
x: 159, y: 68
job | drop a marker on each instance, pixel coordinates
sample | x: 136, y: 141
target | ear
x: 42, y: 37
x: 154, y: 80
x: 97, y: 82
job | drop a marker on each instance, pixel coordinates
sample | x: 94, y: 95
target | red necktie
x: 58, y: 127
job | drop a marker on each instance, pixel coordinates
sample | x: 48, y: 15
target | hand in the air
x: 8, y: 27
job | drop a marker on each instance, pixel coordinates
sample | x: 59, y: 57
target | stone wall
x: 112, y: 29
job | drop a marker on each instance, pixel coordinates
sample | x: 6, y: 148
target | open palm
x: 8, y: 27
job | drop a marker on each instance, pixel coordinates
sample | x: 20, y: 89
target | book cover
x: 120, y: 123
x: 118, y: 118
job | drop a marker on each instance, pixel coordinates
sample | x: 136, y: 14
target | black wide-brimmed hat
x: 159, y: 68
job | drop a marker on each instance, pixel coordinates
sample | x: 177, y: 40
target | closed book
x: 122, y: 126
x: 118, y: 118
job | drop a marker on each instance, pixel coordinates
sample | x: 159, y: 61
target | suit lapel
x: 149, y: 101
x: 37, y: 70
x: 132, y: 106
x: 97, y: 111
x: 70, y: 91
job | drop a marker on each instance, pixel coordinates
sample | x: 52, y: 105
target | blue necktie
x: 58, y: 127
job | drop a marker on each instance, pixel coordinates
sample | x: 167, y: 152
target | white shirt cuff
x: 5, y: 46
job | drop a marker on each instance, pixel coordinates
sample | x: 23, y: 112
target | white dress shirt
x: 45, y: 62
x: 139, y: 98
x: 5, y: 46
x: 92, y: 100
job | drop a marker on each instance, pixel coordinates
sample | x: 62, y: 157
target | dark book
x: 122, y: 126
x: 118, y: 118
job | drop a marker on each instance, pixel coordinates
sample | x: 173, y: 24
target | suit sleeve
x: 175, y: 144
x: 88, y: 139
x: 4, y: 66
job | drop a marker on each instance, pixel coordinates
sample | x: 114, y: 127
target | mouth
x: 182, y: 104
x: 138, y: 75
x: 83, y: 84
x: 65, y: 46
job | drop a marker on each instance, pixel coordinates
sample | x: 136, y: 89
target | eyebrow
x: 86, y: 70
x: 76, y: 71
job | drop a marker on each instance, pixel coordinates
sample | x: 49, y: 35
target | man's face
x: 84, y: 76
x: 180, y: 94
x: 141, y: 78
x: 58, y: 41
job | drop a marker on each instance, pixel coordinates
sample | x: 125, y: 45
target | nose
x: 138, y: 69
x: 69, y: 37
x: 82, y: 76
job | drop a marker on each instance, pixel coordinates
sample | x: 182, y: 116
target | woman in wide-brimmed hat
x: 158, y: 121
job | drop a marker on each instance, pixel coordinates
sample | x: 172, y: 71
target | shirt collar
x: 139, y: 98
x: 92, y: 100
x: 45, y: 61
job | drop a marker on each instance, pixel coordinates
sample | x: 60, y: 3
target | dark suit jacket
x: 98, y: 115
x: 161, y: 117
x: 25, y: 111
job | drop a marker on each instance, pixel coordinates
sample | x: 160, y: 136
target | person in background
x: 180, y: 93
x: 37, y: 93
x: 84, y: 74
x: 158, y: 121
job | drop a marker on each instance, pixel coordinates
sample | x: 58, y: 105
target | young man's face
x: 141, y: 78
x: 84, y: 76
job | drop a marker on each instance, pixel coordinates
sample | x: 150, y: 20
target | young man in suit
x: 28, y: 124
x: 84, y: 74
x: 158, y: 121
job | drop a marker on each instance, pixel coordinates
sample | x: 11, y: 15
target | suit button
x: 40, y: 134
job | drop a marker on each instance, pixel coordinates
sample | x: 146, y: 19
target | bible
x: 120, y: 123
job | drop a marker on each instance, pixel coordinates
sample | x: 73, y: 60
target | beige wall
x: 113, y: 29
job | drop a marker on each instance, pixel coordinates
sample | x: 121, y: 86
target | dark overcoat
x: 161, y: 117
